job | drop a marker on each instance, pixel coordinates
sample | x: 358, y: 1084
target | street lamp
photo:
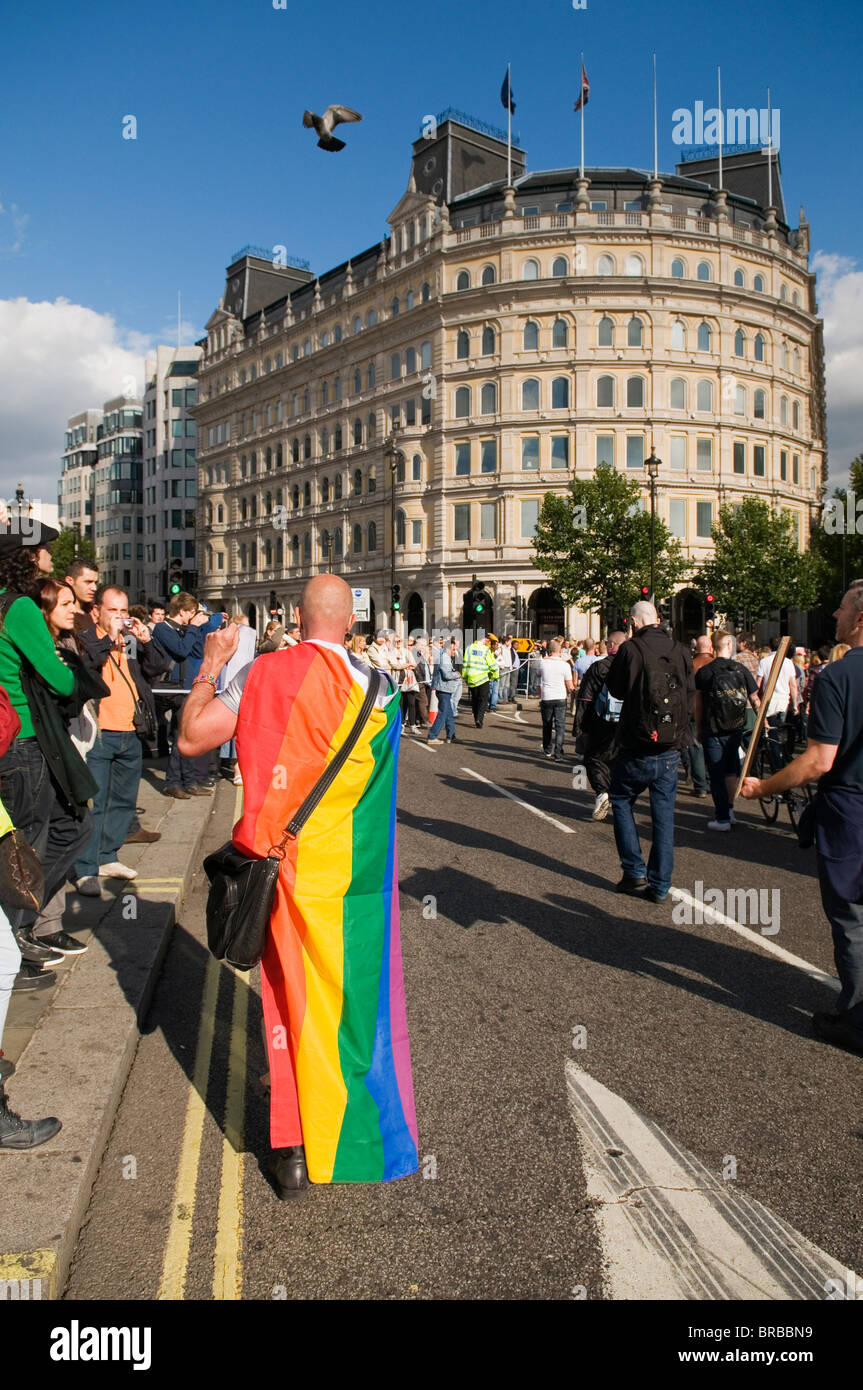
x: 391, y: 454
x: 653, y: 465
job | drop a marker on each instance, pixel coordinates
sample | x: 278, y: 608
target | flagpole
x: 769, y: 154
x: 721, y: 121
x: 655, y: 137
x: 508, y: 128
x: 581, y: 97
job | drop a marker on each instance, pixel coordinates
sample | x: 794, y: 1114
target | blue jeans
x: 631, y: 776
x: 115, y: 762
x: 846, y: 924
x: 492, y: 693
x: 722, y: 754
x: 444, y: 716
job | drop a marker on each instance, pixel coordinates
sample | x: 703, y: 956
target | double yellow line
x: 227, y: 1253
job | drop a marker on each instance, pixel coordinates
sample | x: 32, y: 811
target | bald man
x: 341, y: 1094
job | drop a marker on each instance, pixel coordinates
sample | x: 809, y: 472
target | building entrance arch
x: 546, y: 613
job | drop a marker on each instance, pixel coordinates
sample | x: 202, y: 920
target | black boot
x: 288, y: 1171
x: 16, y: 1133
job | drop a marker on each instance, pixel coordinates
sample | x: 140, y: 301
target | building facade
x: 170, y: 471
x: 400, y: 418
x: 78, y: 470
x: 118, y: 523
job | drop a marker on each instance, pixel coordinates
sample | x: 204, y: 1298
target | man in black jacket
x: 652, y: 674
x: 596, y: 720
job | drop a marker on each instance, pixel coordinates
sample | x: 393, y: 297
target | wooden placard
x: 761, y: 719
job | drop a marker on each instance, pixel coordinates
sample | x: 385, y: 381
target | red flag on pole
x: 585, y: 91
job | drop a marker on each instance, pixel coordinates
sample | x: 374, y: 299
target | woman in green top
x: 55, y: 828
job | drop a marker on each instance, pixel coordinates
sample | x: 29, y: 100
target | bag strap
x: 136, y: 695
x: 331, y: 771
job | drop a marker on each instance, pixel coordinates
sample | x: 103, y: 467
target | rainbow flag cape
x: 332, y: 986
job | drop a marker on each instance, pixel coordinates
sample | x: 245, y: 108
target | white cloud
x: 840, y: 300
x: 56, y: 359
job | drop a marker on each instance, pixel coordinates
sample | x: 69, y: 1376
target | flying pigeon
x: 333, y: 116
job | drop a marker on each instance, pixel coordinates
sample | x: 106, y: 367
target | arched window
x: 739, y: 343
x: 339, y: 543
x: 254, y: 508
x: 400, y: 468
x: 530, y: 270
x: 783, y: 410
x: 400, y: 527
x: 559, y: 266
x: 783, y: 357
x: 394, y: 307
x: 530, y: 337
x: 337, y: 438
x: 307, y: 347
x: 268, y: 553
x: 296, y: 495
x: 783, y: 292
x: 462, y: 280
x: 244, y: 509
x: 560, y: 393
x: 704, y: 396
x: 253, y: 464
x: 325, y: 341
x: 295, y: 549
x: 279, y: 456
x: 220, y: 514
x: 358, y: 539
x: 462, y: 402
x: 358, y: 382
x: 758, y: 284
x: 796, y: 361
x: 530, y: 394
x: 325, y: 545
x: 759, y: 348
x: 268, y: 504
x: 487, y: 341
x: 417, y: 468
x: 337, y: 388
x: 325, y: 489
x: 739, y: 279
x: 358, y: 482
x: 425, y: 355
x: 280, y: 553
x: 242, y: 557
x: 795, y: 415
x: 634, y: 265
x: 372, y: 542
x: 325, y: 441
x: 307, y: 446
x: 703, y: 271
x: 371, y: 318
x: 357, y: 325
x: 605, y: 391
x: 337, y: 487
x: 307, y: 548
x: 559, y: 333
x: 678, y: 269
x: 358, y: 431
x: 678, y: 336
x: 410, y: 361
x: 370, y: 376
x: 634, y: 332
x: 740, y: 400
x: 395, y: 366
x: 426, y: 292
x: 635, y: 392
x: 795, y: 299
x: 372, y: 425
x: 409, y: 297
x: 307, y: 494
x: 678, y: 393
x: 605, y: 337
x: 605, y: 265
x: 488, y: 399
x: 462, y: 348
x: 704, y: 337
x: 488, y: 276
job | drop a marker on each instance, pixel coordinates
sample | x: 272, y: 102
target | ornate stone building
x: 400, y: 417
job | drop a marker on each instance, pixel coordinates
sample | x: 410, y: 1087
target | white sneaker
x: 600, y: 807
x: 117, y: 870
x: 732, y: 817
x: 238, y: 778
x: 719, y: 825
x: 89, y: 887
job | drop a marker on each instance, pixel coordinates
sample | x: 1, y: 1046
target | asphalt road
x: 512, y: 938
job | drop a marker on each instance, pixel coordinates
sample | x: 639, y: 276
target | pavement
x: 74, y: 1045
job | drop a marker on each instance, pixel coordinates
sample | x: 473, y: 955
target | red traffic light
x: 645, y: 589
x: 709, y: 598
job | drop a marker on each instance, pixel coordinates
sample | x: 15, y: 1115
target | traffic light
x: 646, y: 595
x: 175, y: 578
x: 709, y: 607
x: 175, y: 586
x: 397, y: 603
x: 274, y: 603
x: 665, y: 611
x: 479, y: 605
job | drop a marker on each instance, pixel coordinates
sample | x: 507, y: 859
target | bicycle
x: 794, y: 800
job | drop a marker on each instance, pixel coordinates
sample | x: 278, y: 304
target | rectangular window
x: 530, y: 453
x: 783, y: 465
x: 529, y: 517
x: 127, y: 524
x: 488, y: 456
x: 598, y: 207
x: 739, y: 456
x: 677, y: 517
x: 795, y: 468
x: 678, y: 453
x: 189, y: 549
x: 176, y: 458
x: 425, y: 413
x: 220, y: 561
x: 191, y: 395
x: 635, y: 451
x: 488, y: 521
x: 417, y: 532
x: 410, y: 412
x: 395, y: 366
x: 462, y: 460
x: 177, y: 429
x: 560, y: 451
x: 758, y: 460
x: 461, y: 518
x: 177, y: 519
x: 190, y: 458
x: 176, y: 487
x: 191, y: 487
x: 164, y: 491
x: 704, y: 455
x: 127, y: 550
x: 605, y: 451
x: 192, y: 430
x: 176, y: 550
x: 704, y: 519
x: 176, y: 397
x: 795, y: 528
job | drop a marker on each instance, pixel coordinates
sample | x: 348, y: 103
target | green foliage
x: 756, y: 566
x: 594, y: 544
x: 838, y: 546
x: 67, y: 546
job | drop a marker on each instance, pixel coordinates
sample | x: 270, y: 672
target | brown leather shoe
x: 178, y: 792
x: 199, y: 791
x: 143, y: 837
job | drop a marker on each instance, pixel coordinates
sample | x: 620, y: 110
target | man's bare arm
x: 207, y: 723
x: 818, y: 759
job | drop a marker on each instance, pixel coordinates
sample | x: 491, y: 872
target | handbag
x: 22, y: 883
x: 142, y: 720
x: 242, y: 889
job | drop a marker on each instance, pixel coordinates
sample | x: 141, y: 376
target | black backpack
x: 727, y: 701
x: 662, y: 711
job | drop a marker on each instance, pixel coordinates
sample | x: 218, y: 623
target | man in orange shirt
x: 115, y: 758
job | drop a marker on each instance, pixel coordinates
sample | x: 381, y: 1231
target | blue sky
x: 218, y: 88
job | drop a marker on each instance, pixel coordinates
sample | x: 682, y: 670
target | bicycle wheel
x: 769, y: 804
x: 795, y: 800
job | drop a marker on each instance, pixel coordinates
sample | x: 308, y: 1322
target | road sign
x: 362, y: 608
x: 523, y: 645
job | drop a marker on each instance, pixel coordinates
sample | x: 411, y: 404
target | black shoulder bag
x: 242, y: 889
x: 143, y: 723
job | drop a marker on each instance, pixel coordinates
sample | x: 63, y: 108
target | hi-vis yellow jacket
x: 478, y: 665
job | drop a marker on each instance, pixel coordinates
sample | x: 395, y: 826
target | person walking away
x: 422, y: 671
x: 652, y: 674
x: 503, y: 657
x: 555, y: 683
x: 597, y: 715
x: 478, y: 669
x: 446, y: 682
x: 834, y: 755
x: 694, y: 754
x: 341, y: 1094
x: 785, y: 695
x: 725, y: 691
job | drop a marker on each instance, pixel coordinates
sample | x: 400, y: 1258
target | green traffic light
x: 175, y: 588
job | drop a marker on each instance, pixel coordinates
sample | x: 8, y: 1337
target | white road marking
x: 418, y: 743
x: 764, y: 942
x: 671, y: 1229
x: 567, y: 829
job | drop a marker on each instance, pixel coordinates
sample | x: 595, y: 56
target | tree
x: 757, y: 566
x: 67, y: 547
x: 594, y: 544
x: 838, y: 541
